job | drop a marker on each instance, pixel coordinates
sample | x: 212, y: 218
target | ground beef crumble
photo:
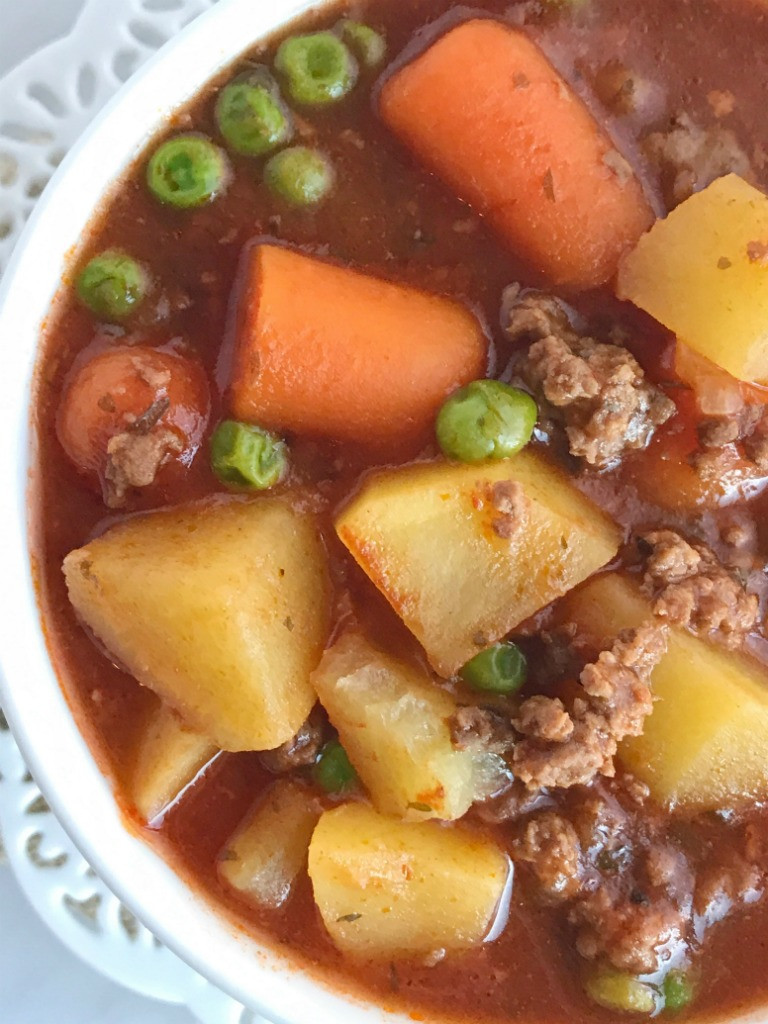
x: 597, y: 390
x: 618, y: 699
x: 481, y: 729
x: 690, y: 588
x: 627, y: 889
x: 133, y: 460
x: 511, y: 505
x: 691, y: 157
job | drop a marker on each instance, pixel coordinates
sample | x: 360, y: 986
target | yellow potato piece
x: 425, y: 536
x: 169, y: 756
x: 704, y: 745
x: 703, y: 273
x: 221, y: 607
x: 392, y: 720
x: 266, y: 856
x: 387, y: 889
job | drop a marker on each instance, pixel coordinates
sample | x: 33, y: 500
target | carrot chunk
x: 331, y: 352
x: 487, y: 112
x: 131, y: 390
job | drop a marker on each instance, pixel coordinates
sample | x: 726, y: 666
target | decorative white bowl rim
x: 30, y: 693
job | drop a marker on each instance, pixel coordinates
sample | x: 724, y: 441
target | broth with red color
x: 659, y: 67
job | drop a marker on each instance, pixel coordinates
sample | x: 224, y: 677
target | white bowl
x: 29, y: 690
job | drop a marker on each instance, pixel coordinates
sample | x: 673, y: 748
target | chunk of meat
x: 669, y: 558
x: 691, y: 157
x: 629, y: 892
x: 598, y: 391
x: 690, y: 588
x: 481, y: 729
x: 589, y: 752
x: 617, y: 687
x: 551, y: 846
x: 134, y: 459
x: 128, y: 410
x: 299, y: 752
x: 511, y: 505
x: 630, y: 932
x: 530, y: 315
x: 756, y: 448
x: 716, y: 431
x: 724, y: 886
x: 546, y: 719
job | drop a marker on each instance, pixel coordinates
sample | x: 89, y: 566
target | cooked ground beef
x: 737, y: 878
x: 691, y: 588
x: 720, y: 430
x: 597, y: 390
x: 691, y: 157
x: 617, y: 687
x: 481, y: 729
x: 531, y: 315
x: 721, y: 887
x: 629, y: 890
x: 133, y: 460
x: 756, y: 448
x: 626, y: 931
x: 511, y: 505
x: 299, y: 752
x: 551, y: 846
x: 545, y: 718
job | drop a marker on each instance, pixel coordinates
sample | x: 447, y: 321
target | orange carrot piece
x: 330, y: 352
x: 109, y: 391
x: 487, y: 112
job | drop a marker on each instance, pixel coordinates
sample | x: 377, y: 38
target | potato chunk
x: 704, y: 745
x: 393, y: 723
x: 265, y: 857
x: 703, y: 272
x: 386, y: 889
x: 459, y: 569
x: 168, y: 758
x: 220, y: 607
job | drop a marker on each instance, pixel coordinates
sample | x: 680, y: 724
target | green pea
x: 243, y: 456
x: 368, y: 45
x: 486, y: 420
x: 500, y: 669
x: 317, y: 68
x: 251, y: 115
x: 112, y: 285
x: 333, y: 770
x: 618, y: 991
x: 187, y: 171
x: 678, y: 991
x: 300, y: 175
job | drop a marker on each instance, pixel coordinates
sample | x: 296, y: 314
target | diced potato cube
x: 703, y: 272
x: 392, y: 720
x: 387, y: 889
x: 704, y: 745
x: 265, y: 857
x: 425, y: 535
x: 220, y: 607
x: 169, y: 756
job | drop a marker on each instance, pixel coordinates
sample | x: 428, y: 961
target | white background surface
x: 40, y: 982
